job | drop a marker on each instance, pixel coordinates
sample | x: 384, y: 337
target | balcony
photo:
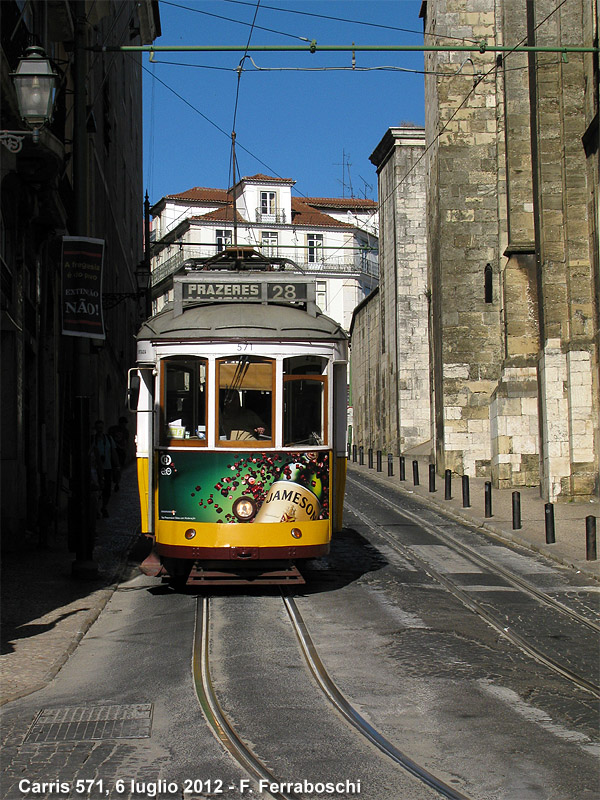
x: 274, y: 218
x: 364, y: 263
x: 172, y: 264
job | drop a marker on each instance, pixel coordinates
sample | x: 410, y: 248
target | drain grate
x: 82, y: 723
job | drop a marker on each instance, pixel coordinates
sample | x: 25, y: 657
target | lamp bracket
x: 112, y: 299
x: 13, y: 140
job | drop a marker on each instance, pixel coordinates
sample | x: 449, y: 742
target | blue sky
x: 295, y: 116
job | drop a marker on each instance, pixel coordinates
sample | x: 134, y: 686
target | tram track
x: 216, y: 718
x: 351, y: 715
x: 233, y: 742
x: 498, y: 624
x: 481, y: 560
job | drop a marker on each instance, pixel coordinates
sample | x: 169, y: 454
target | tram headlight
x: 296, y: 533
x: 190, y: 533
x: 244, y: 508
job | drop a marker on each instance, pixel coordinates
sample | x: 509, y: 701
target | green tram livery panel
x: 240, y: 391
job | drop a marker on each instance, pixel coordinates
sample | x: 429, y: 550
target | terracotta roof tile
x: 303, y: 211
x: 303, y: 214
x: 220, y: 215
x: 341, y: 202
x: 260, y: 177
x: 201, y: 194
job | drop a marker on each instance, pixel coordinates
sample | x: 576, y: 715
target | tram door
x: 140, y: 399
x: 340, y: 447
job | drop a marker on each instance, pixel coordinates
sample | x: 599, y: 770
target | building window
x: 487, y: 284
x: 268, y: 203
x: 223, y: 240
x: 268, y: 243
x: 322, y: 295
x: 315, y: 247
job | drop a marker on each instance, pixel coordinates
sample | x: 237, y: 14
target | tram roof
x: 241, y: 320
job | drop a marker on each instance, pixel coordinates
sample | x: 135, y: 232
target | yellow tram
x: 240, y: 391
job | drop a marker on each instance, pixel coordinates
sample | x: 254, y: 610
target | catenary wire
x: 236, y: 21
x: 343, y: 19
x: 480, y: 78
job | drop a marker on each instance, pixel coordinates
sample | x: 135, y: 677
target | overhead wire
x: 343, y: 19
x: 236, y: 21
x: 480, y: 79
x: 239, y: 69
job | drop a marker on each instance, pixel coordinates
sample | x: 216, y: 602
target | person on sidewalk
x: 120, y: 436
x: 105, y: 455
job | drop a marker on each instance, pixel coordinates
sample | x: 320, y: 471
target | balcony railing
x: 357, y: 264
x: 172, y: 264
x: 270, y: 219
x: 362, y: 263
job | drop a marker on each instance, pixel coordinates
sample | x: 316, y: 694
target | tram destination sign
x: 257, y: 291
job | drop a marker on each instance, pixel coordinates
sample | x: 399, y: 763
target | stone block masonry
x: 493, y: 336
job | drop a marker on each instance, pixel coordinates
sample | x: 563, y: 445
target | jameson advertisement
x: 202, y: 487
x: 82, y: 260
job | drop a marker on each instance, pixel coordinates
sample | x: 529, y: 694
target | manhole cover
x: 81, y: 723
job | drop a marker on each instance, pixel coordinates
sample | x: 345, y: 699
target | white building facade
x: 334, y: 240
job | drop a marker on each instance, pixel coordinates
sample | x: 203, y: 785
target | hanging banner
x: 82, y: 261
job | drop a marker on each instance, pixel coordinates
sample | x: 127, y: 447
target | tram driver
x: 239, y: 423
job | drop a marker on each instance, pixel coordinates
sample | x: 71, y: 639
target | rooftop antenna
x: 345, y: 163
x: 367, y: 185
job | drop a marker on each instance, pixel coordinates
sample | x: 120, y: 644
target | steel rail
x: 211, y: 708
x: 499, y: 626
x: 467, y: 551
x: 351, y: 715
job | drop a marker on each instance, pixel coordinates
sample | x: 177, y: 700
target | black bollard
x: 448, y: 484
x: 354, y: 449
x: 402, y: 468
x: 349, y: 450
x: 370, y: 458
x: 516, y: 510
x: 361, y: 456
x: 488, y: 499
x: 390, y: 465
x: 590, y: 539
x: 379, y: 467
x: 549, y: 519
x: 432, y: 477
x: 466, y: 492
x: 416, y: 472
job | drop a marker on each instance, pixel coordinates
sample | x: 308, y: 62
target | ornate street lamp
x: 34, y: 82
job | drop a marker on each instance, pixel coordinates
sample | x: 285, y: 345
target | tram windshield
x: 242, y: 404
x: 184, y: 398
x: 245, y: 412
x: 305, y: 401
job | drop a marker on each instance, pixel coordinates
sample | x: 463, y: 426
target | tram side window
x: 184, y: 399
x: 245, y: 412
x: 305, y: 402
